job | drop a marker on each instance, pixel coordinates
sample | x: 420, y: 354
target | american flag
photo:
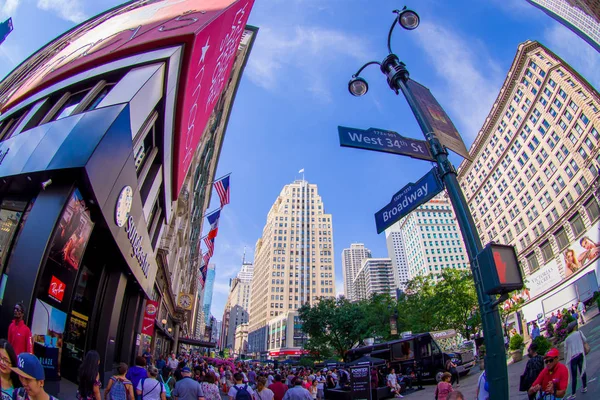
x: 203, y: 271
x: 222, y: 187
x: 205, y: 259
x: 210, y: 245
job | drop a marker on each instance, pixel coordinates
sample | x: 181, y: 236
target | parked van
x: 421, y: 350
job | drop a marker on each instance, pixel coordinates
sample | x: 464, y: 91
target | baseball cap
x: 28, y: 366
x: 553, y: 352
x: 186, y: 369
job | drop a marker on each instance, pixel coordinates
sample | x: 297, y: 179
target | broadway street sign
x: 384, y: 141
x: 407, y: 199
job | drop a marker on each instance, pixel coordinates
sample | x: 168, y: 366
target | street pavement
x: 468, y: 384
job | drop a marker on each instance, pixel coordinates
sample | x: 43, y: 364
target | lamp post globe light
x: 398, y: 79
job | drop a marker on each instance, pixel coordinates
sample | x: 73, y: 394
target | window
x: 562, y: 240
x: 584, y: 119
x: 573, y: 106
x: 547, y: 253
x: 592, y: 209
x: 577, y: 225
x: 532, y: 262
x: 69, y: 106
x: 562, y: 94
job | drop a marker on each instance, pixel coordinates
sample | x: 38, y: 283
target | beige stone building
x: 294, y: 261
x: 535, y: 169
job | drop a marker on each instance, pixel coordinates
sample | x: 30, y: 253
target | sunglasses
x: 549, y: 360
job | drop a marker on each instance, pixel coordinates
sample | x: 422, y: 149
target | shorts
x: 320, y: 394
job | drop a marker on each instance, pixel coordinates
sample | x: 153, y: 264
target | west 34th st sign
x: 384, y: 141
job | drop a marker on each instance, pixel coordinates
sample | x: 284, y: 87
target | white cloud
x: 8, y: 7
x: 70, y: 10
x: 575, y: 51
x: 303, y: 54
x: 221, y: 288
x: 472, y: 79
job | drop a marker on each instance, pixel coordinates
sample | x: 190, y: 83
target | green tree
x: 377, y: 312
x: 332, y: 325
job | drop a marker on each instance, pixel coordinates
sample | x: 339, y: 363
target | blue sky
x: 294, y: 95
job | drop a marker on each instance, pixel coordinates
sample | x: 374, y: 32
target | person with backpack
x: 168, y: 381
x: 187, y: 388
x: 150, y: 388
x: 119, y: 387
x: 240, y: 391
x: 534, y: 366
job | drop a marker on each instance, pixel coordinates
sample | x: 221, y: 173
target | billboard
x: 576, y: 257
x: 210, y: 31
x: 6, y: 27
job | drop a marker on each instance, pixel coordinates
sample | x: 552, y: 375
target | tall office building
x: 431, y: 240
x: 208, y: 291
x: 247, y: 271
x: 534, y: 172
x: 375, y: 276
x: 294, y: 261
x: 352, y: 260
x: 236, y: 310
x: 397, y: 253
x: 580, y: 16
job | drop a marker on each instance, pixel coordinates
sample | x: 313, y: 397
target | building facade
x: 97, y: 175
x: 352, y: 260
x: 580, y: 16
x: 430, y: 242
x: 236, y: 310
x: 294, y: 263
x: 240, y: 341
x: 395, y: 246
x: 285, y: 338
x: 534, y: 177
x: 375, y: 276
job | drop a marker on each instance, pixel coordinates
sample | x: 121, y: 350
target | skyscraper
x: 352, y: 260
x: 430, y: 242
x: 396, y: 252
x: 580, y: 16
x: 208, y: 291
x: 247, y: 271
x: 533, y: 182
x: 236, y: 310
x: 294, y: 261
x: 375, y: 276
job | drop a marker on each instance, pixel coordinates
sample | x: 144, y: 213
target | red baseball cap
x: 552, y: 353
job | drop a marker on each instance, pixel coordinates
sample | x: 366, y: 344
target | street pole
x: 495, y: 360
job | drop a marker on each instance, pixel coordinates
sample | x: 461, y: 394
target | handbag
x: 586, y: 345
x: 524, y: 383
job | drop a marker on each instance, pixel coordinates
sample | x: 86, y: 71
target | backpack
x: 241, y: 393
x: 118, y: 391
x: 166, y: 385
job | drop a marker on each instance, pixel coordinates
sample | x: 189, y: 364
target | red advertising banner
x: 150, y: 312
x: 212, y: 57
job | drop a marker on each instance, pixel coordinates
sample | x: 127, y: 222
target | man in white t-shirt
x: 173, y: 363
x: 320, y: 385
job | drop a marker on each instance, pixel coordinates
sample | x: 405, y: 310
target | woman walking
x: 89, y: 377
x: 262, y: 391
x: 210, y: 388
x: 10, y: 380
x: 575, y: 353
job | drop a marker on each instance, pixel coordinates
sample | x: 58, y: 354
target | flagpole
x: 212, y: 212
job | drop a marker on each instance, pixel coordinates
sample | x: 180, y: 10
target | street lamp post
x: 397, y: 78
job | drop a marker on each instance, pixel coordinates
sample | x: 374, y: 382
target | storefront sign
x: 57, y: 289
x: 543, y: 278
x: 360, y: 377
x: 136, y: 246
x: 287, y: 353
x: 149, y: 316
